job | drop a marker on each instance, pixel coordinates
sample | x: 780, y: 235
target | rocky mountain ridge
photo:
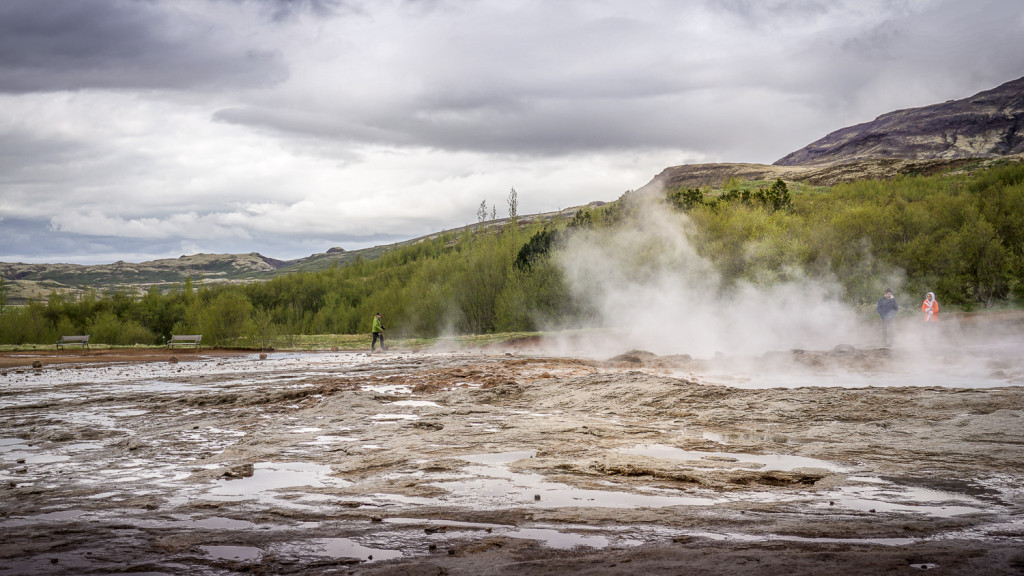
x: 986, y: 125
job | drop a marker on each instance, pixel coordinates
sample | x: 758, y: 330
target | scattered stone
x: 173, y: 360
x: 376, y: 519
x: 37, y: 364
x: 536, y: 496
x: 239, y: 471
x: 263, y: 355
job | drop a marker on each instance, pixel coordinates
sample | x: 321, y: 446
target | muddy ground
x: 514, y: 461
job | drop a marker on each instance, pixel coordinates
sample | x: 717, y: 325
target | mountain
x: 986, y: 125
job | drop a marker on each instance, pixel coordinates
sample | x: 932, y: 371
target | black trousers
x: 376, y: 336
x: 886, y: 332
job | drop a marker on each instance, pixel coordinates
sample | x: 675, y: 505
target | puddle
x: 389, y: 389
x: 34, y: 457
x: 339, y: 548
x: 379, y: 418
x: 560, y: 540
x: 57, y: 516
x: 418, y: 403
x: 780, y: 462
x: 879, y: 495
x: 270, y: 476
x: 241, y: 553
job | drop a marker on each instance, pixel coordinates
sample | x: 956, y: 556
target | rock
x: 173, y: 360
x: 263, y: 355
x: 239, y: 471
x: 37, y: 364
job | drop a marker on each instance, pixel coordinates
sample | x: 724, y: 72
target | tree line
x: 959, y: 235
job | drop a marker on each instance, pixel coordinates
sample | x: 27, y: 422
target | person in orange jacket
x: 930, y: 307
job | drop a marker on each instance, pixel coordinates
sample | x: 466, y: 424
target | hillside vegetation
x: 959, y: 235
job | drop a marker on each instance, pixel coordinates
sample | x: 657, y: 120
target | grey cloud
x: 281, y: 10
x: 52, y: 45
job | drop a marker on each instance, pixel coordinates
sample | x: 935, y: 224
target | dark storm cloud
x: 52, y: 45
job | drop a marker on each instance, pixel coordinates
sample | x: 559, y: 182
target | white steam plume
x: 656, y: 293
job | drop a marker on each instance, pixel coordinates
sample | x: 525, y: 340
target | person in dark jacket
x: 887, y: 309
x: 378, y: 333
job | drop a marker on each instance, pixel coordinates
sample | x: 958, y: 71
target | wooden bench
x: 82, y: 341
x: 185, y: 340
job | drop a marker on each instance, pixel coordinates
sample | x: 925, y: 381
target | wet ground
x: 510, y: 460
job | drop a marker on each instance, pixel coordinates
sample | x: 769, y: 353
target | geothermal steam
x: 656, y: 293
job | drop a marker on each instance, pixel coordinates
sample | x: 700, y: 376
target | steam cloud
x: 655, y: 291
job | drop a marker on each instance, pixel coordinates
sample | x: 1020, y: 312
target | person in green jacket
x: 378, y: 333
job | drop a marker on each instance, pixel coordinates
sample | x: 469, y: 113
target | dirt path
x: 517, y: 462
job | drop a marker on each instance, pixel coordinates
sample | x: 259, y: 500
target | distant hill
x: 988, y: 124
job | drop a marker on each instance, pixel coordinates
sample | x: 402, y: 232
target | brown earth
x: 512, y: 461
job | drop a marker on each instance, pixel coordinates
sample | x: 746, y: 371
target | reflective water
x: 269, y: 477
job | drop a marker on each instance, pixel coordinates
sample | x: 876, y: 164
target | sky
x: 142, y: 129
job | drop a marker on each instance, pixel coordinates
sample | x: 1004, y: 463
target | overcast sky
x: 141, y: 129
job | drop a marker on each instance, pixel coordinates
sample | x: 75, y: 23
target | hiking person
x: 930, y: 307
x: 377, y: 333
x: 887, y: 309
